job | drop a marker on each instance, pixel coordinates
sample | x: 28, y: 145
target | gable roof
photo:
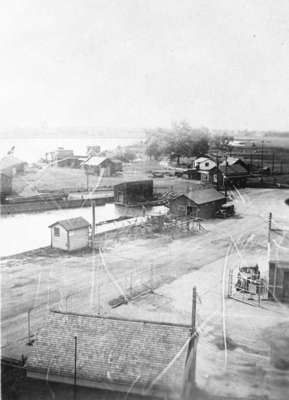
x: 203, y: 196
x: 233, y: 170
x: 72, y: 224
x: 111, y: 350
x: 95, y: 161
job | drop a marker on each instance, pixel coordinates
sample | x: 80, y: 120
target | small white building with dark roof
x: 70, y: 234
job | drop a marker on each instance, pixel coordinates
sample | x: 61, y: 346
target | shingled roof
x: 202, y: 196
x: 234, y: 170
x: 115, y: 352
x: 72, y: 224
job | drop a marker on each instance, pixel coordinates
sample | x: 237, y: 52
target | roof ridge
x: 116, y: 318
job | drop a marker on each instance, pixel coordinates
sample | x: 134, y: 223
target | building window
x: 56, y: 232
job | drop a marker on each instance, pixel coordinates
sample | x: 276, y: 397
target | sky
x: 145, y: 63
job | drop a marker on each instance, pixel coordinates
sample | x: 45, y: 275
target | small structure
x: 111, y: 353
x: 279, y: 265
x: 233, y: 175
x: 65, y: 158
x: 102, y: 166
x: 235, y: 161
x: 204, y: 163
x: 70, y: 234
x: 198, y: 203
x: 92, y: 150
x: 10, y: 165
x: 132, y: 193
x: 5, y: 185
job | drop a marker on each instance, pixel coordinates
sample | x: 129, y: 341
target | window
x: 56, y: 231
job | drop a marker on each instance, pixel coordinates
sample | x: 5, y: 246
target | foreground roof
x: 112, y: 350
x: 72, y: 224
x: 203, y: 196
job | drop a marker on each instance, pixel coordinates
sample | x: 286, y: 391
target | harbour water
x: 23, y: 232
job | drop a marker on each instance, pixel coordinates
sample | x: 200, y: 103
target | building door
x: 286, y: 285
x: 191, y: 211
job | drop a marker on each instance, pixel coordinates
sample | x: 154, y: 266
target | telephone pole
x: 190, y: 367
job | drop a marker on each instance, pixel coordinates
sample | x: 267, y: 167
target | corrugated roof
x: 9, y: 162
x: 279, y: 246
x: 72, y: 224
x: 203, y: 196
x: 111, y: 350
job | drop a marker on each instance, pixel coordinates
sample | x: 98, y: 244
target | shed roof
x: 111, y: 350
x: 203, y: 196
x: 95, y: 161
x: 72, y: 224
x: 279, y: 246
x: 133, y: 182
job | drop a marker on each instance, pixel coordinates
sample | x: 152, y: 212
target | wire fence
x: 247, y: 289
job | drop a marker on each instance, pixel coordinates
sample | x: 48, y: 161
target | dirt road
x: 173, y: 265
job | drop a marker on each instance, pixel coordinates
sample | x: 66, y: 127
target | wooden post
x: 29, y: 329
x: 190, y: 369
x: 93, y: 224
x: 75, y: 359
x: 269, y: 227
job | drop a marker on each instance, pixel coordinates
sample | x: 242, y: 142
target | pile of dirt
x: 220, y: 343
x: 278, y: 339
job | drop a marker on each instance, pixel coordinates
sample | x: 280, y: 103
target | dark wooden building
x: 198, y: 203
x: 279, y: 265
x: 233, y: 175
x: 133, y: 193
x: 5, y: 185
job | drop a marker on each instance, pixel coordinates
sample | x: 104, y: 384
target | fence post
x: 152, y: 277
x: 29, y: 327
x: 130, y: 284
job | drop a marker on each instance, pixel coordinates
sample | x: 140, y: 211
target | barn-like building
x: 133, y: 193
x: 198, y: 203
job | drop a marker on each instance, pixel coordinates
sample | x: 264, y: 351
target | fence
x: 247, y: 290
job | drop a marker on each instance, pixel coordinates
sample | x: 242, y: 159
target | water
x: 31, y: 150
x: 23, y: 232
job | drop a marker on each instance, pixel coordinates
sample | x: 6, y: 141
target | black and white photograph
x: 144, y: 199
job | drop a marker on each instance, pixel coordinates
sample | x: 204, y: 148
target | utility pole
x: 75, y: 371
x: 269, y: 227
x: 87, y: 181
x: 273, y: 162
x: 225, y: 176
x: 190, y: 368
x: 93, y: 224
x: 262, y: 160
x: 218, y: 171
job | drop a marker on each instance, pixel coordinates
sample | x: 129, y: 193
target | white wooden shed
x: 70, y: 234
